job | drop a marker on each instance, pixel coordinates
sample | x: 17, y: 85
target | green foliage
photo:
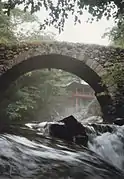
x: 115, y: 78
x: 116, y: 34
x: 34, y: 92
x: 34, y: 36
x: 12, y: 28
x: 60, y: 10
x: 115, y: 73
x: 20, y: 20
x: 6, y: 33
x: 18, y: 17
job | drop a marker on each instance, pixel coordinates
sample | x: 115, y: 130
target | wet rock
x: 119, y: 121
x: 81, y: 140
x: 75, y: 127
x: 69, y: 129
x: 60, y: 131
x: 102, y: 128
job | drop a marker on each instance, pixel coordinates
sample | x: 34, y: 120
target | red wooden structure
x: 81, y: 93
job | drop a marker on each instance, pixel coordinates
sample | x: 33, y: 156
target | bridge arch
x: 62, y: 62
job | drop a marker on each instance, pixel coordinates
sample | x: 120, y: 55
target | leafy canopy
x: 59, y: 10
x: 116, y: 34
x: 6, y: 33
x: 12, y: 28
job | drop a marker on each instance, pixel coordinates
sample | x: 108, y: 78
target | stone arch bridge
x: 88, y: 62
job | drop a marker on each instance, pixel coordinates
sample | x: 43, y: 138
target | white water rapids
x: 30, y: 154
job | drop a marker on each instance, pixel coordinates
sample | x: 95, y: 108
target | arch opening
x: 65, y: 63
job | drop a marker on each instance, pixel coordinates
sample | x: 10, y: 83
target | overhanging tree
x: 59, y: 10
x: 6, y: 33
x: 116, y: 34
x: 12, y: 28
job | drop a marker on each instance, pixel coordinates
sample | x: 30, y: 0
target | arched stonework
x: 96, y: 57
x: 68, y: 64
x: 86, y: 61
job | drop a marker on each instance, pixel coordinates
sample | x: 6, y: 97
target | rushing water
x: 28, y: 153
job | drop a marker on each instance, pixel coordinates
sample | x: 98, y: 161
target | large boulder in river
x: 69, y: 129
x: 119, y: 121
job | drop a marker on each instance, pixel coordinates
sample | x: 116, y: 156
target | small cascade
x: 100, y: 128
x: 23, y: 158
x: 30, y: 152
x: 110, y: 146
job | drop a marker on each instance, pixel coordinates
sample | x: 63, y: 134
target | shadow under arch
x: 65, y: 63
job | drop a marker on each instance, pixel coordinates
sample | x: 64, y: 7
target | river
x: 29, y: 153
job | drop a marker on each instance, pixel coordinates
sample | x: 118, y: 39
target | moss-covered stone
x: 98, y: 58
